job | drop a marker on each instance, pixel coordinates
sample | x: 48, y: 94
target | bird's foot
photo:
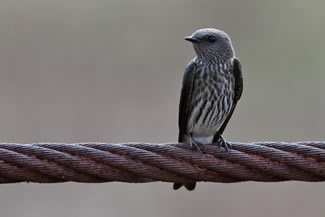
x: 195, y: 144
x: 223, y: 143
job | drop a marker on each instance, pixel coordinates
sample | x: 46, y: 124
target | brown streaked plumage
x: 212, y: 86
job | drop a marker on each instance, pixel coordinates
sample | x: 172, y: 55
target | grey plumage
x: 212, y: 85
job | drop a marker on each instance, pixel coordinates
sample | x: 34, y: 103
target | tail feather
x: 189, y: 186
x: 176, y: 186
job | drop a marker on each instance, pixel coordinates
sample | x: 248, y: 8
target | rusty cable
x: 141, y: 162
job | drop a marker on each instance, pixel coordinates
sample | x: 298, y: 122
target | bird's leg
x: 223, y: 143
x: 195, y: 144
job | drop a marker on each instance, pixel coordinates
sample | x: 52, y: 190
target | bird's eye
x: 212, y: 38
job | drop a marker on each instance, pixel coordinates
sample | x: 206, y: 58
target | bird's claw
x: 223, y: 143
x: 195, y: 144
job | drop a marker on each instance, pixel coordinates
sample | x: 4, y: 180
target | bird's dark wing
x: 186, y: 94
x: 238, y: 92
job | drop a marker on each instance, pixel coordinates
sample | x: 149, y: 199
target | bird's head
x: 211, y: 45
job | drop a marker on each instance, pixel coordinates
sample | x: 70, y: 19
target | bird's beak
x: 191, y: 39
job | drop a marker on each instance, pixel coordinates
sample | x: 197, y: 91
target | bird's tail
x: 189, y: 186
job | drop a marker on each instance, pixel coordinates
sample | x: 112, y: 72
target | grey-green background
x: 110, y: 71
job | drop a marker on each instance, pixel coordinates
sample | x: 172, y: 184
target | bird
x: 212, y: 85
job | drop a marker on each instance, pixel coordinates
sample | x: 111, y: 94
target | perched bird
x: 212, y: 86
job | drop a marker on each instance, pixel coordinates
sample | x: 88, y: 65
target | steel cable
x: 141, y: 162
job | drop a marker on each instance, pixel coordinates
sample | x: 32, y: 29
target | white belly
x: 201, y: 140
x: 208, y: 125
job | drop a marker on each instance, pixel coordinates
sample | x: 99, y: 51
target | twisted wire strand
x: 142, y: 162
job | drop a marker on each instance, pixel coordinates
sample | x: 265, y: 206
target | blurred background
x: 111, y: 71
